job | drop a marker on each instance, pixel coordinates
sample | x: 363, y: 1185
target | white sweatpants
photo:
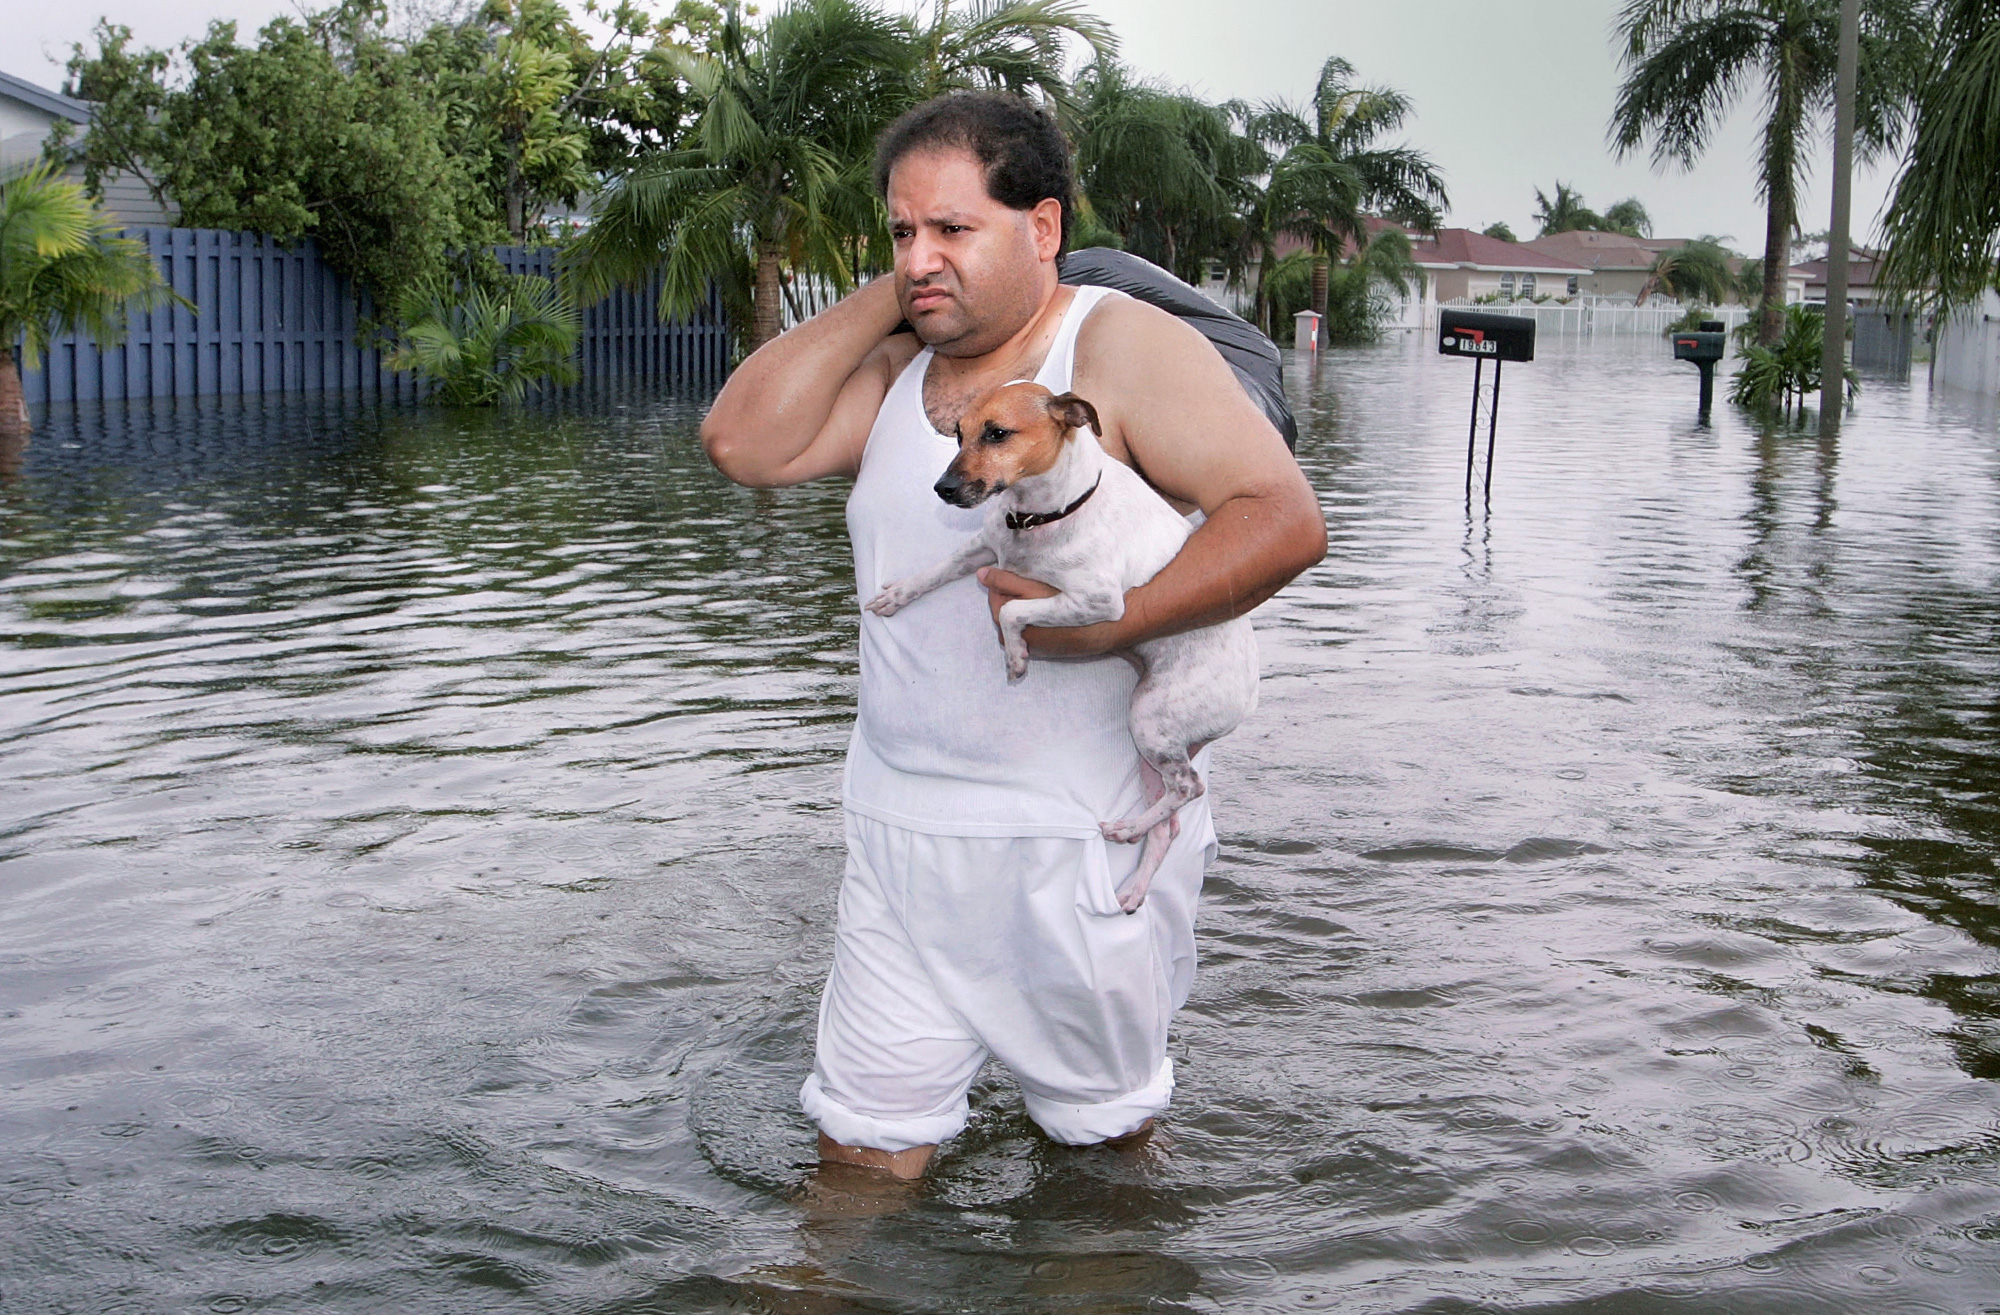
x: 952, y: 948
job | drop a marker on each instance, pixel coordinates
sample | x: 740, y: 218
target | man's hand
x: 1002, y: 587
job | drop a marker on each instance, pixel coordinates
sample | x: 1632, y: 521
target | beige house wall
x: 1448, y: 283
x: 1614, y: 283
x: 1475, y: 283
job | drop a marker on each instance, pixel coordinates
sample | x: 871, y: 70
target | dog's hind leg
x: 1180, y: 783
x: 1166, y: 757
x: 1161, y: 838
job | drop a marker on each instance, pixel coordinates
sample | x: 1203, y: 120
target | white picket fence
x: 1589, y: 317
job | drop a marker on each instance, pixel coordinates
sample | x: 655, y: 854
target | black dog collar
x: 1028, y: 520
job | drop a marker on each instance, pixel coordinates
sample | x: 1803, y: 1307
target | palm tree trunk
x: 517, y: 202
x: 767, y: 313
x: 1781, y: 140
x: 13, y: 402
x: 1319, y: 288
x: 1777, y: 260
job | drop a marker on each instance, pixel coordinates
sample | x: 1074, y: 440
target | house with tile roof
x: 29, y: 115
x: 1459, y: 263
x: 1863, y: 267
x: 1619, y: 263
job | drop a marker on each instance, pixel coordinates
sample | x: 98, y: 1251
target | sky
x: 1510, y: 95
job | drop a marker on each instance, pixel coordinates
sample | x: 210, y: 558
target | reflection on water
x: 421, y: 853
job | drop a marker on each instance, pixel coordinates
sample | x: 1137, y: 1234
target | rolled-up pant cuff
x: 1086, y: 1125
x: 877, y: 1132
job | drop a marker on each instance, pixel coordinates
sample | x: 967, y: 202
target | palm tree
x: 1566, y: 213
x: 1165, y: 171
x: 1749, y: 283
x: 774, y: 181
x: 1943, y: 223
x: 62, y: 270
x: 1696, y: 271
x: 1332, y: 171
x: 1005, y: 45
x: 1361, y: 291
x: 775, y: 175
x: 489, y: 345
x: 1628, y: 217
x: 1687, y: 63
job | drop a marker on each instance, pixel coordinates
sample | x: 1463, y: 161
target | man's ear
x: 1045, y: 226
x: 1072, y: 412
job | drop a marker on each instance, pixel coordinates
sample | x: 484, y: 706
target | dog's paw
x: 889, y: 602
x: 1130, y: 898
x: 1120, y: 832
x: 1017, y: 661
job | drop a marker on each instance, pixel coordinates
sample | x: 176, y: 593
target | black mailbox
x: 1698, y: 347
x: 1702, y: 349
x: 1485, y: 336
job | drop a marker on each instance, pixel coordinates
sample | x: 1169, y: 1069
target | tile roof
x: 1861, y: 267
x: 1454, y: 247
x: 1599, y: 251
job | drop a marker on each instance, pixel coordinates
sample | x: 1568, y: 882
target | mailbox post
x: 1702, y: 349
x: 1484, y: 337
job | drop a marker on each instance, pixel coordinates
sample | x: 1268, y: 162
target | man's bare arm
x: 801, y: 407
x: 1189, y: 428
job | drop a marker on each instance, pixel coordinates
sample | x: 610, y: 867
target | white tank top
x: 942, y: 743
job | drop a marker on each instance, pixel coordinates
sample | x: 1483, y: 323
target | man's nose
x: 923, y: 256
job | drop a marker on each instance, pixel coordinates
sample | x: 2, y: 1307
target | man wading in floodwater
x: 978, y: 912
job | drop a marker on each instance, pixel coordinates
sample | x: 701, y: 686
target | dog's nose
x: 951, y: 487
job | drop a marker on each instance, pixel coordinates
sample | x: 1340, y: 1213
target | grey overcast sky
x: 1510, y: 94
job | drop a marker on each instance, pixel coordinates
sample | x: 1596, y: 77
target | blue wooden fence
x: 270, y: 318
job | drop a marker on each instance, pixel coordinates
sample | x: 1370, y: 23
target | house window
x: 1507, y: 285
x: 1572, y: 285
x: 1527, y: 285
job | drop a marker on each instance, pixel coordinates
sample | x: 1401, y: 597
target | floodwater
x: 421, y: 844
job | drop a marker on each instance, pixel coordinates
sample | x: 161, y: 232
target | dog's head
x: 1012, y: 433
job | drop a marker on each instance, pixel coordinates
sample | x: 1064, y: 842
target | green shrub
x: 1691, y: 321
x: 1783, y: 373
x: 485, y: 345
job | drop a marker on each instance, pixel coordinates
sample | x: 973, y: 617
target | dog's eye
x: 995, y: 434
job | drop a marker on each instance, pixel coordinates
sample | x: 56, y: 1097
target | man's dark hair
x: 1017, y: 142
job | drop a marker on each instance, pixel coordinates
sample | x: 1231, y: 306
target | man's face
x: 969, y: 270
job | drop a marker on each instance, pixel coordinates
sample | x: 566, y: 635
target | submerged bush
x: 486, y: 345
x: 1783, y: 373
x: 1691, y: 321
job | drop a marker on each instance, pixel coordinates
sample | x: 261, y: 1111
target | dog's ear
x: 1072, y: 412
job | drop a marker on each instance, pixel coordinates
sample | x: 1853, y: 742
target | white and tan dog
x: 1061, y: 511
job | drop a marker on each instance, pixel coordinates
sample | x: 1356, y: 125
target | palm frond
x: 62, y: 269
x: 488, y: 345
x: 1942, y: 226
x: 1684, y: 69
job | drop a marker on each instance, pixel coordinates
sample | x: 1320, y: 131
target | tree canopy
x: 1943, y: 223
x: 1689, y: 62
x: 1567, y: 213
x: 718, y: 146
x: 323, y: 128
